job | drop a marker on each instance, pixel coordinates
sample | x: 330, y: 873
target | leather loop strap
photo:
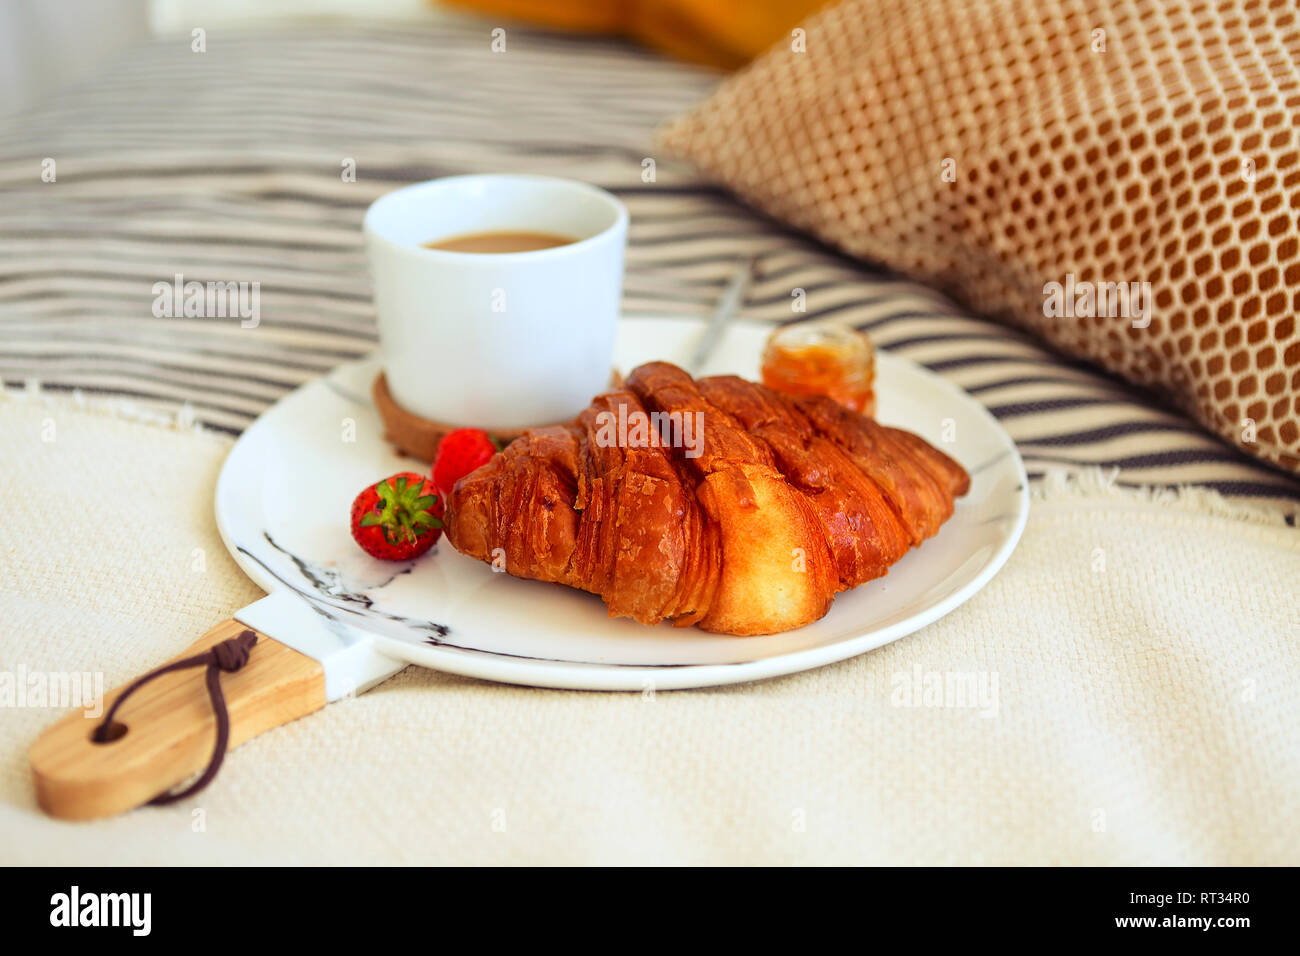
x: 229, y: 656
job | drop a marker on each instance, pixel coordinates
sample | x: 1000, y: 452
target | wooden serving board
x: 164, y: 733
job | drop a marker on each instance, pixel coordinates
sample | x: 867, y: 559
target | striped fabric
x: 227, y: 166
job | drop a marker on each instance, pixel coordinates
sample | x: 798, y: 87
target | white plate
x: 285, y: 491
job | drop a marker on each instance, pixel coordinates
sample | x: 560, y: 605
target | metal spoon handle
x: 727, y: 308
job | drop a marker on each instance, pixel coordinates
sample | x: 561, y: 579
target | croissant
x: 715, y: 502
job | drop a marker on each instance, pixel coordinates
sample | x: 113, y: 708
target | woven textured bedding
x: 231, y: 165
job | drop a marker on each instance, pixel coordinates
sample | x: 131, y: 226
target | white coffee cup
x: 497, y: 340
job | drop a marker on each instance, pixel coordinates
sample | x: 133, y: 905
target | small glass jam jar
x: 831, y: 360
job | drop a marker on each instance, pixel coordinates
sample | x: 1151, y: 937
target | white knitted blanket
x: 1126, y: 690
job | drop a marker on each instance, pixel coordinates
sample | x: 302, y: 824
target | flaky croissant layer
x: 738, y: 509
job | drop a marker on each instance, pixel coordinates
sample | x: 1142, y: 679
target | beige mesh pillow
x: 1120, y: 176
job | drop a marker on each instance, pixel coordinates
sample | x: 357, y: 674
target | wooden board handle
x: 170, y: 729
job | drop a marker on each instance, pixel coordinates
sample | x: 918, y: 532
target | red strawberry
x: 399, y: 518
x: 459, y: 453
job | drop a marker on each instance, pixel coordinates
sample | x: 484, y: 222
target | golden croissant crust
x: 747, y: 517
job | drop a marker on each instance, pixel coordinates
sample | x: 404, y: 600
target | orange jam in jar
x: 823, y: 360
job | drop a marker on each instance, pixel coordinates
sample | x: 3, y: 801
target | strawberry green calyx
x: 402, y: 512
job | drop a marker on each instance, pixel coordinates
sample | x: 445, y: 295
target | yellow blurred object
x: 724, y: 33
